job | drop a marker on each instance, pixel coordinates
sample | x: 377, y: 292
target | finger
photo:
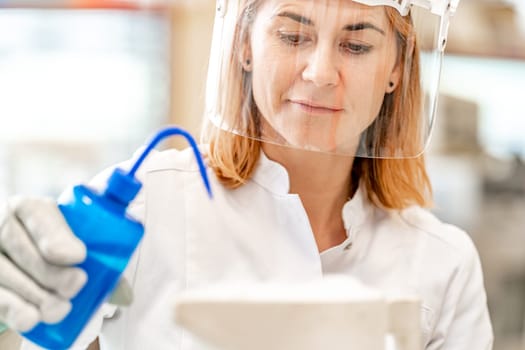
x: 123, y: 294
x: 51, y: 307
x: 66, y: 281
x: 49, y: 230
x: 15, y: 280
x: 16, y: 313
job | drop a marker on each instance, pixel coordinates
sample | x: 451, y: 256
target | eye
x: 355, y: 49
x: 293, y: 39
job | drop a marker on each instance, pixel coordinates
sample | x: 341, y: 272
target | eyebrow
x: 350, y: 27
x: 297, y: 18
x: 363, y: 26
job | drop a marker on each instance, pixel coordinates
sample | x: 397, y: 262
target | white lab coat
x: 260, y: 232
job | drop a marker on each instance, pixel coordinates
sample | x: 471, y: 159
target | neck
x: 323, y: 183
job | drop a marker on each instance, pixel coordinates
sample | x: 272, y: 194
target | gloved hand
x: 37, y: 251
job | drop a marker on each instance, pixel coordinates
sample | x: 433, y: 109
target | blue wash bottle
x: 110, y: 236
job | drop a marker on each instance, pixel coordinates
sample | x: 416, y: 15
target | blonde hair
x: 390, y: 183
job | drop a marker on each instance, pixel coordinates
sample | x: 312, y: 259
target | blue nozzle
x: 170, y: 131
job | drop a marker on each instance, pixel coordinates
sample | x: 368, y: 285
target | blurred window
x: 79, y: 90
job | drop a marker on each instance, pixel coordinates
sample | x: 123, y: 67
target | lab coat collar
x: 356, y: 211
x: 271, y: 175
x: 274, y: 177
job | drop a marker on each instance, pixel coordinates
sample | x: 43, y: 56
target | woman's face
x: 320, y: 70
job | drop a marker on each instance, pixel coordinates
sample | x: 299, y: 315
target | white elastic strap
x: 437, y: 7
x: 443, y: 32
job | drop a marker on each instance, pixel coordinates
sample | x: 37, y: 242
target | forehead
x: 331, y: 10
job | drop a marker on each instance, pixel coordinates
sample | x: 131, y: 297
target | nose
x: 321, y: 67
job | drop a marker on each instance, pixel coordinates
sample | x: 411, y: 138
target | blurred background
x: 84, y: 82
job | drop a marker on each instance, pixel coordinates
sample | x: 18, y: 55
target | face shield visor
x: 346, y: 77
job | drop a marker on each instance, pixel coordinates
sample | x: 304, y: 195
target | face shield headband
x: 347, y: 77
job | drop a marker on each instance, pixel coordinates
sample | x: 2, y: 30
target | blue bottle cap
x: 122, y: 187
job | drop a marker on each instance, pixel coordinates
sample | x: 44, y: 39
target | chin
x: 325, y: 146
x: 311, y: 146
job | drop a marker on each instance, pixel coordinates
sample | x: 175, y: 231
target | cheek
x: 273, y: 76
x: 366, y: 86
x: 365, y: 91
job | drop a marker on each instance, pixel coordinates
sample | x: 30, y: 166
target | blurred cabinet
x: 191, y: 31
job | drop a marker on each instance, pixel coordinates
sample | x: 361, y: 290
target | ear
x: 245, y: 57
x: 394, y: 79
x: 395, y: 75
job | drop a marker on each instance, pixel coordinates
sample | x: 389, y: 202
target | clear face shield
x: 347, y: 77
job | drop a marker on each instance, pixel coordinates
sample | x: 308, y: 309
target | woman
x: 317, y: 124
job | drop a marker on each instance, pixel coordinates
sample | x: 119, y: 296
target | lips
x: 316, y: 107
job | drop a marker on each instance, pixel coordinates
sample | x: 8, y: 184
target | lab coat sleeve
x: 465, y: 322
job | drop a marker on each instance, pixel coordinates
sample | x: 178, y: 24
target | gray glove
x: 37, y: 251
